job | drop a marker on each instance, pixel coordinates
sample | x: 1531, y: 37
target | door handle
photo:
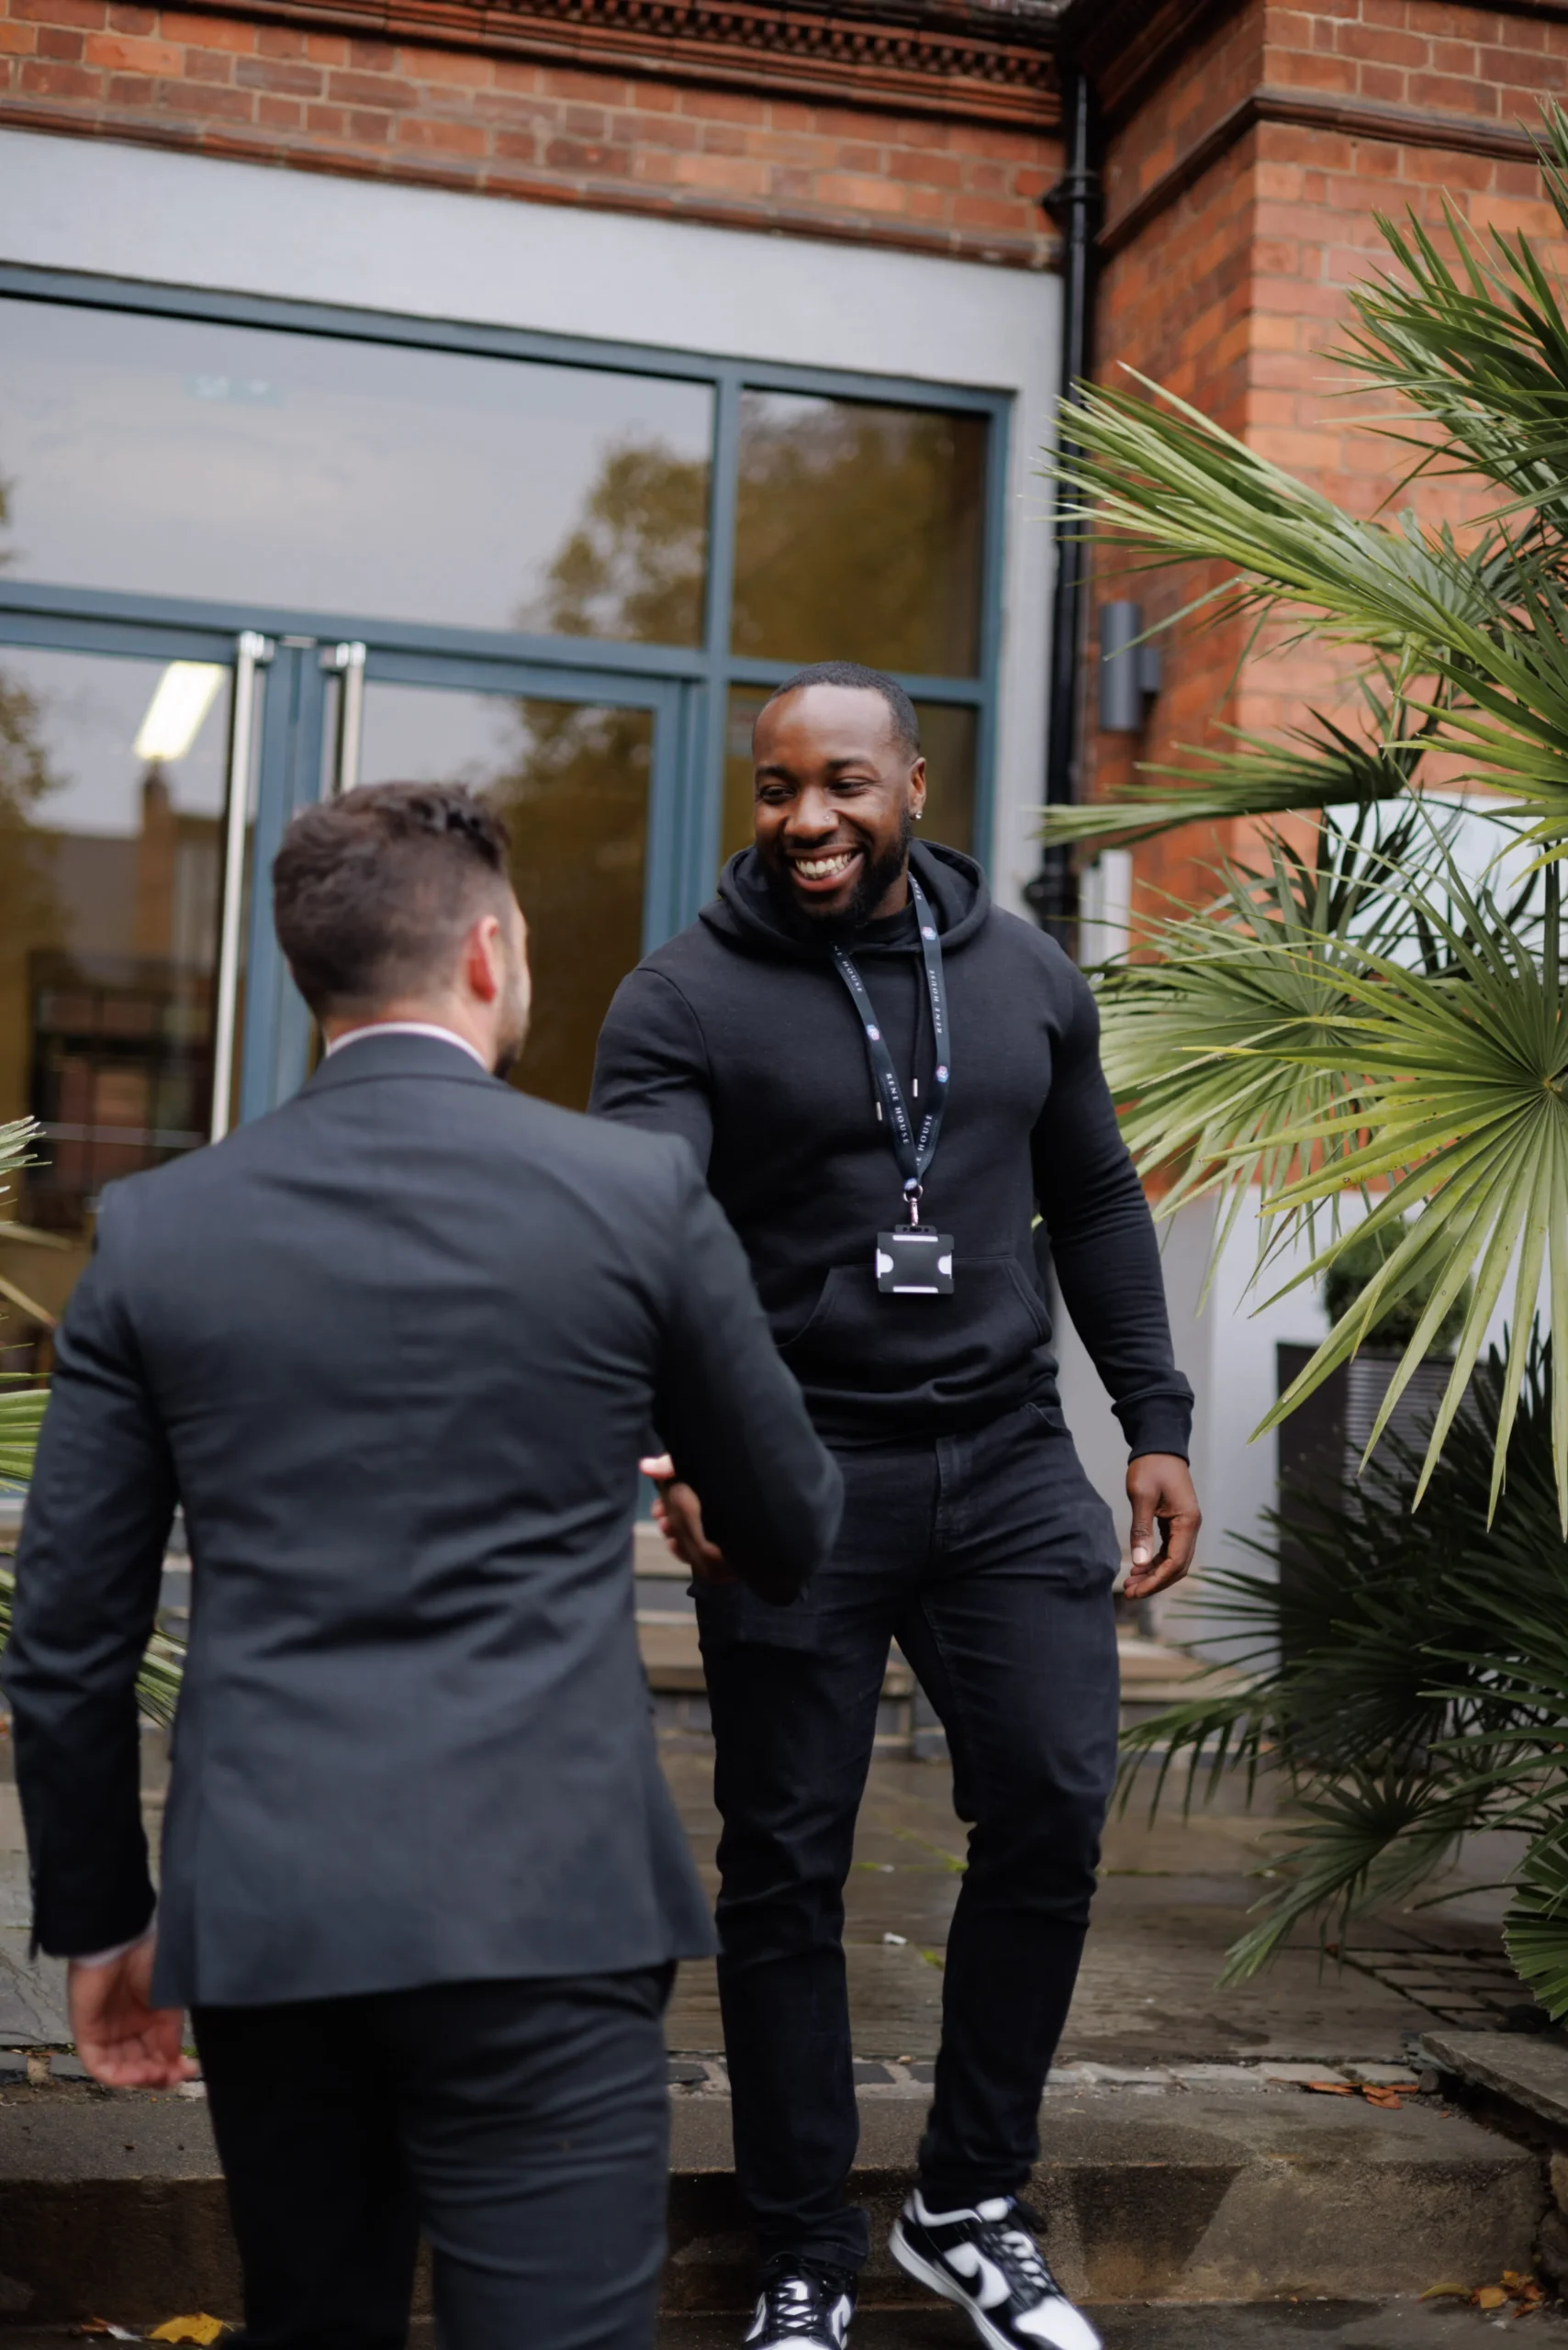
x: 252, y: 653
x: 348, y: 660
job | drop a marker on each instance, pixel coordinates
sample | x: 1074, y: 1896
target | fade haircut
x: 372, y: 892
x: 906, y: 725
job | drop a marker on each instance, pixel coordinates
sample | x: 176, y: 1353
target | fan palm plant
x: 1408, y: 1673
x: 1368, y: 1020
x: 22, y: 1402
x: 1364, y: 1018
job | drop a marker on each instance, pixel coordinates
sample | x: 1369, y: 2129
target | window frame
x: 123, y: 621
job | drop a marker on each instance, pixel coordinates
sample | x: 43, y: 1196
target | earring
x: 918, y: 814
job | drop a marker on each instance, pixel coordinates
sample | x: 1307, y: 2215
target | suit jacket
x: 395, y: 1348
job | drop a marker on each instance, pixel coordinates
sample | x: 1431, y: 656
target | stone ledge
x: 114, y: 2205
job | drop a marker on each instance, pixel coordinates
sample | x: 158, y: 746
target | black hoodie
x: 740, y: 1035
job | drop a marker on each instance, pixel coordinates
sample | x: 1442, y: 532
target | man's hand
x: 677, y: 1514
x: 1159, y: 1487
x: 122, y: 2039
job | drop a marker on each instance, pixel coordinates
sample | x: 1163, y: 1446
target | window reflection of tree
x: 575, y: 797
x: 634, y: 566
x: 859, y: 535
x: 574, y: 786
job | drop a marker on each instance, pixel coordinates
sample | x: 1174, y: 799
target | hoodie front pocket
x: 858, y: 1341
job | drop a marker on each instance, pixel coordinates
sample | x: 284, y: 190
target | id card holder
x: 915, y: 1260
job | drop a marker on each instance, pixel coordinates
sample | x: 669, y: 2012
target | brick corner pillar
x: 1249, y: 147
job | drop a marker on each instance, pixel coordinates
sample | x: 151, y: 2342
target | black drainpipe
x: 1074, y: 205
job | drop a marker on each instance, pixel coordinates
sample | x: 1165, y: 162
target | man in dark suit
x: 395, y: 1349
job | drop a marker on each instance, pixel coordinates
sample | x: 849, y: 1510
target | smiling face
x: 836, y: 792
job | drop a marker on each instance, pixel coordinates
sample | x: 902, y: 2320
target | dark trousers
x: 523, y: 2125
x: 990, y: 1558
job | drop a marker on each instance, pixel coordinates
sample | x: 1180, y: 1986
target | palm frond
x: 1412, y: 1688
x: 1460, y: 1108
x: 1364, y: 1841
x: 1535, y: 1932
x: 23, y: 1402
x: 1322, y: 765
x: 21, y: 1416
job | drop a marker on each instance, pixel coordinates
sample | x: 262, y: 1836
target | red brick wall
x: 506, y: 126
x: 1234, y: 292
x: 1475, y: 64
x: 1175, y: 304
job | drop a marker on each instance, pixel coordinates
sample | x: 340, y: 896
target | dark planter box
x: 1320, y: 1445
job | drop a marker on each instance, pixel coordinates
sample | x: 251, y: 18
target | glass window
x: 180, y: 457
x: 112, y: 778
x: 859, y: 534
x: 948, y: 738
x: 572, y: 780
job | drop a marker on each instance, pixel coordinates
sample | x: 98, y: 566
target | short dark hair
x: 373, y: 891
x: 906, y: 725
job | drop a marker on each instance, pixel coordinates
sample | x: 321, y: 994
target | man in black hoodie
x: 886, y: 1079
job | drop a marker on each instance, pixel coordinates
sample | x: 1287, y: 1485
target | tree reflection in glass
x: 571, y: 780
x: 635, y: 563
x: 859, y: 534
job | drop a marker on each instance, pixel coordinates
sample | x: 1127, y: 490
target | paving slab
x: 1529, y: 2068
x: 1173, y: 1895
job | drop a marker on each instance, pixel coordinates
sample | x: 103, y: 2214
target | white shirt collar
x: 410, y: 1029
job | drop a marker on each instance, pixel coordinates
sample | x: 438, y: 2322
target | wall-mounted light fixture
x: 1130, y: 673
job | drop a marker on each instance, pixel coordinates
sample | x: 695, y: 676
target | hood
x: 744, y: 911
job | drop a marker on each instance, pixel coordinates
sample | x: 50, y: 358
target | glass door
x: 585, y: 770
x: 147, y: 775
x: 114, y: 784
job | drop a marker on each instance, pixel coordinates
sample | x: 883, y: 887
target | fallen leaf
x: 203, y: 2330
x: 1491, y: 2297
x: 102, y: 2325
x: 1389, y: 2099
x: 1330, y: 2088
x: 1445, y: 2292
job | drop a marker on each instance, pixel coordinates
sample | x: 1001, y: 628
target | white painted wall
x: 190, y: 220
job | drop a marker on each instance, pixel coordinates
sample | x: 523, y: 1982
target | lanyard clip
x: 912, y: 1196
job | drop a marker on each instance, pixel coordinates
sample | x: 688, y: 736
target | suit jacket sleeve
x: 88, y: 1570
x: 1102, y: 1241
x: 731, y: 1414
x: 651, y: 1068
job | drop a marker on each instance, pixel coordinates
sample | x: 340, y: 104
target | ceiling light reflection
x: 183, y: 695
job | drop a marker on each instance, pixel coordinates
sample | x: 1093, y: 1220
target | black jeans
x: 525, y: 2125
x: 990, y: 1558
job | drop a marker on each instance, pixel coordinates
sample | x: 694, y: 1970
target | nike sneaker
x: 986, y: 2260
x: 804, y: 2305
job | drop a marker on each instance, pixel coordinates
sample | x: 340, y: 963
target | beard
x: 514, y: 1032
x: 835, y: 927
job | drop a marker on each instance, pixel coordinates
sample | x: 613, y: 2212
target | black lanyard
x: 913, y: 1152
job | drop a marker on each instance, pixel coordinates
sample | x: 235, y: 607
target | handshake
x: 677, y: 1514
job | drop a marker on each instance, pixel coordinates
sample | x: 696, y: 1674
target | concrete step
x: 113, y: 2205
x: 1202, y: 2325
x: 1153, y: 1676
x: 1136, y: 2325
x: 1178, y: 2196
